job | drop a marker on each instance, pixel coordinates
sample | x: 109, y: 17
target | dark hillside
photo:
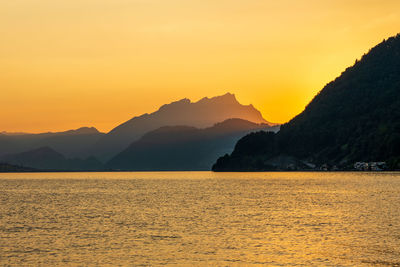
x: 354, y: 118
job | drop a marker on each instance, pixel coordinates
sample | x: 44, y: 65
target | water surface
x: 200, y: 218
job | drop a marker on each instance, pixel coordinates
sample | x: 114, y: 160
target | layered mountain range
x: 203, y: 113
x: 206, y: 129
x: 353, y: 120
x: 72, y: 143
x: 183, y: 147
x: 47, y: 159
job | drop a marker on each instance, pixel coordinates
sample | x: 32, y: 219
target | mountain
x: 5, y: 167
x: 183, y: 147
x: 13, y: 133
x: 46, y: 158
x: 204, y: 113
x: 72, y: 143
x: 354, y: 118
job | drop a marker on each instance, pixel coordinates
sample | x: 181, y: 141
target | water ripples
x: 201, y: 218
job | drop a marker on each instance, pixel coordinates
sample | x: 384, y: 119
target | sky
x: 71, y: 63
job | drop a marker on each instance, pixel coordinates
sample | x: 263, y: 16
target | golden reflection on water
x: 200, y: 218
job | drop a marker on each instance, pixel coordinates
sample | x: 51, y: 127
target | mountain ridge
x: 201, y: 114
x: 81, y: 130
x: 72, y: 143
x: 356, y: 117
x: 183, y: 147
x: 46, y: 158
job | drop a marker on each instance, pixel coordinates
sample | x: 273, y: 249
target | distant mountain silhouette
x: 82, y: 130
x: 201, y: 114
x: 183, y: 147
x: 13, y: 133
x: 72, y: 143
x: 354, y: 118
x: 45, y: 158
x: 5, y: 167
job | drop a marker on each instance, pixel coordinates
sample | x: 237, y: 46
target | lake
x: 200, y: 218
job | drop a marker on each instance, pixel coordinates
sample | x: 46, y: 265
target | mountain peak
x: 85, y: 130
x: 226, y: 98
x: 81, y: 130
x: 206, y: 112
x: 201, y: 114
x: 176, y: 104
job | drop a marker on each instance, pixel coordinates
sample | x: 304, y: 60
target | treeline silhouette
x: 354, y: 118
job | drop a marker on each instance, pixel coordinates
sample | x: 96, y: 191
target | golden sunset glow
x: 67, y: 64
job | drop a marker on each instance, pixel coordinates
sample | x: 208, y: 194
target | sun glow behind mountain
x: 65, y: 64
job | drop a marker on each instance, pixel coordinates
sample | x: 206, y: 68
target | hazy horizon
x: 227, y: 97
x: 69, y: 64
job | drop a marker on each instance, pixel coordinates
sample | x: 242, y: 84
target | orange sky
x: 71, y: 63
